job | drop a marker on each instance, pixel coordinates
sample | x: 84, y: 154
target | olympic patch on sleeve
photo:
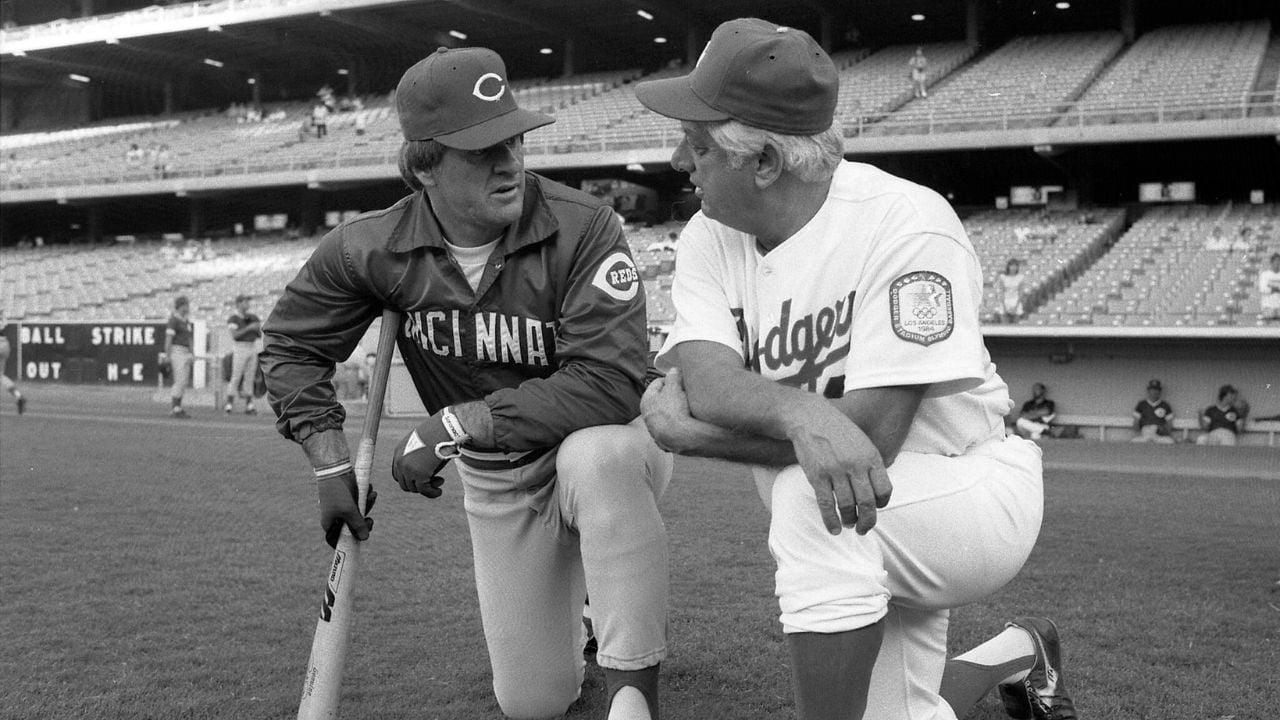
x: 618, y: 277
x: 921, y: 309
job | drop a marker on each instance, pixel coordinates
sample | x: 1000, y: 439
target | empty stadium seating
x: 1083, y: 268
x: 1027, y: 82
x: 1053, y: 248
x: 876, y: 86
x: 1168, y: 74
x: 1179, y: 73
x: 139, y: 281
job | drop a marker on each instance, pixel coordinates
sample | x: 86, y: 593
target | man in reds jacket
x: 525, y: 334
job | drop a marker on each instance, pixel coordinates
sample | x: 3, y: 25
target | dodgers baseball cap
x: 769, y: 76
x: 460, y: 98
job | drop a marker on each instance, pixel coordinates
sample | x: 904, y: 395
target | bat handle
x: 377, y: 394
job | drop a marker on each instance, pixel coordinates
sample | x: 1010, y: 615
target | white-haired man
x: 827, y: 332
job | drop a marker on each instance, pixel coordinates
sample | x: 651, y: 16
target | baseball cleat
x: 228, y: 409
x: 180, y: 413
x: 251, y: 410
x: 1042, y: 695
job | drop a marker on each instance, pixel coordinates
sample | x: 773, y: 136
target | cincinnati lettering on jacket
x: 807, y: 345
x: 489, y: 336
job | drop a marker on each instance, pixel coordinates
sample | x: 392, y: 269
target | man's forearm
x: 700, y: 439
x: 749, y: 405
x: 326, y: 447
x: 477, y: 421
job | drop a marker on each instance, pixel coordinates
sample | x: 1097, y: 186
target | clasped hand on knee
x: 845, y: 469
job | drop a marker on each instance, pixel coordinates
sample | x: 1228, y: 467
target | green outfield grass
x: 157, y: 569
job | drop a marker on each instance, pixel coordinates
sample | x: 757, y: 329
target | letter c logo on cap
x: 478, y: 92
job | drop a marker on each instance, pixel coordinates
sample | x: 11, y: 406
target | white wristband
x: 324, y: 473
x: 453, y: 426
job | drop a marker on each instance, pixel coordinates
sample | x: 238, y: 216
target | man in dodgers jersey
x: 524, y: 332
x: 827, y: 329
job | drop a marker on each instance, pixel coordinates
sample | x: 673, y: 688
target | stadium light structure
x: 343, y: 71
x: 1063, y: 6
x: 458, y: 34
x: 660, y: 40
x: 78, y: 77
x: 918, y: 17
x: 213, y: 63
x: 645, y: 14
x: 545, y: 51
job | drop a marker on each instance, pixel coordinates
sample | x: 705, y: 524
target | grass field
x: 160, y: 569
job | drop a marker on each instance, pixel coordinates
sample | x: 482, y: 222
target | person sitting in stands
x: 1153, y: 417
x: 1217, y: 240
x: 1222, y: 422
x: 1036, y: 417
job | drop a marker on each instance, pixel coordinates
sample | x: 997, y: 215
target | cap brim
x: 495, y: 130
x: 674, y: 97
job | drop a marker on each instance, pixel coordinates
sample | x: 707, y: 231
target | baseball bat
x: 322, y: 686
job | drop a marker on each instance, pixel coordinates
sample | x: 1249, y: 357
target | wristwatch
x: 448, y: 449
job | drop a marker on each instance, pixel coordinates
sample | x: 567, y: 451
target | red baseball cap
x: 768, y: 76
x: 461, y: 99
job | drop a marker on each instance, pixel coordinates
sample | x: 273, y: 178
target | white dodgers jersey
x: 882, y: 287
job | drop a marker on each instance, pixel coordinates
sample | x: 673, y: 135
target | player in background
x: 1221, y: 423
x: 827, y: 331
x: 6, y: 382
x: 1269, y: 290
x: 246, y: 330
x: 179, y: 334
x: 525, y: 334
x: 1153, y: 417
x: 1035, y: 418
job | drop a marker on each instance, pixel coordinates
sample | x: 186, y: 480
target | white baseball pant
x: 180, y: 362
x: 580, y: 520
x: 956, y: 530
x: 244, y: 362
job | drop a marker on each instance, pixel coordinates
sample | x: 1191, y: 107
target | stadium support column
x: 168, y: 96
x: 309, y: 217
x: 692, y: 48
x: 826, y: 31
x: 567, y: 66
x: 197, y: 217
x: 973, y: 22
x: 93, y: 224
x: 1129, y: 20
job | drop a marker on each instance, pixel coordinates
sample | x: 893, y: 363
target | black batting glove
x: 415, y: 465
x: 339, y: 507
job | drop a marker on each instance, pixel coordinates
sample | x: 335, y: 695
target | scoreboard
x: 124, y: 353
